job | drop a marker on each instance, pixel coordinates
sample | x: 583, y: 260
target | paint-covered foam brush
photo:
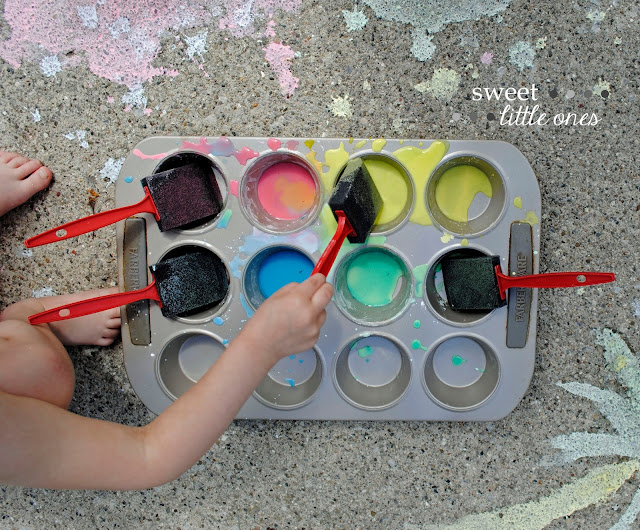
x: 478, y: 284
x: 177, y: 198
x: 355, y: 203
x: 182, y: 286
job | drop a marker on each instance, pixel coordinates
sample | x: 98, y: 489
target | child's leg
x: 20, y: 178
x: 33, y: 361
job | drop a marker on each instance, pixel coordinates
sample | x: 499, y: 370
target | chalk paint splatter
x: 341, y: 107
x: 45, y: 291
x: 355, y: 20
x: 443, y: 84
x: 486, y: 58
x: 522, y: 54
x: 196, y: 45
x: 279, y: 57
x: 120, y: 49
x: 111, y: 170
x: 427, y: 19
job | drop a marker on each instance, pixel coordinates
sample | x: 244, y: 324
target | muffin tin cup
x: 293, y: 381
x: 373, y: 285
x: 372, y: 372
x: 483, y: 213
x: 395, y: 186
x: 435, y: 294
x: 390, y: 348
x: 292, y: 194
x: 184, y: 359
x: 461, y: 372
x: 182, y: 158
x: 208, y: 313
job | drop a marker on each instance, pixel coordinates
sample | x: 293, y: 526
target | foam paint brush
x: 355, y: 203
x: 177, y: 198
x: 181, y: 286
x: 478, y: 284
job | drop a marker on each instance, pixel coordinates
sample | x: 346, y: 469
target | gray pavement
x: 311, y: 70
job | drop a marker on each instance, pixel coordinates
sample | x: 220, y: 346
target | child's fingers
x: 322, y: 296
x: 311, y: 285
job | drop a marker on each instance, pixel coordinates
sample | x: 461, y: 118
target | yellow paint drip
x: 531, y: 218
x: 517, y: 202
x: 465, y: 242
x: 420, y: 163
x: 446, y: 238
x: 334, y: 159
x: 309, y: 143
x: 311, y: 157
x: 456, y: 189
x: 392, y: 188
x: 361, y: 143
x: 378, y: 145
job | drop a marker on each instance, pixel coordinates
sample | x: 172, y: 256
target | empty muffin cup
x: 184, y: 359
x: 205, y: 313
x: 372, y: 372
x: 461, y: 372
x: 465, y: 196
x: 434, y: 290
x: 280, y: 193
x: 184, y: 158
x: 272, y: 268
x: 373, y: 285
x: 292, y: 382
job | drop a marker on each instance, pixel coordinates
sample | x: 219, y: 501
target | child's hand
x: 289, y: 321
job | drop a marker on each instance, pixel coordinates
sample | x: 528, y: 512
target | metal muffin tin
x: 411, y: 359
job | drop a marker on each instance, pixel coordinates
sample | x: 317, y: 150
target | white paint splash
x: 135, y: 98
x: 428, y: 18
x: 79, y: 135
x: 88, y: 16
x: 197, y: 45
x: 355, y: 20
x: 341, y: 107
x: 111, y: 170
x: 50, y: 65
x: 45, y: 291
x: 522, y: 54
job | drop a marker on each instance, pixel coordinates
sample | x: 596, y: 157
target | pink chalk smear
x: 292, y: 144
x: 233, y: 188
x: 274, y: 144
x: 140, y: 154
x: 486, y: 58
x: 201, y: 147
x: 279, y: 58
x: 123, y: 38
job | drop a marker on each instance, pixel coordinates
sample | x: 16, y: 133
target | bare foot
x: 20, y: 178
x: 99, y: 329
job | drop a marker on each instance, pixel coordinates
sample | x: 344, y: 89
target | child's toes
x: 17, y: 161
x: 36, y: 181
x: 113, y: 323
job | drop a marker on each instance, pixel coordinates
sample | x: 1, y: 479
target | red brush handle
x: 552, y: 279
x: 331, y: 252
x: 93, y: 222
x: 95, y: 305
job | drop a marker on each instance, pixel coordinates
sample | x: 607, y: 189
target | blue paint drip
x: 224, y: 220
x: 128, y: 179
x: 291, y: 382
x: 246, y: 306
x: 225, y: 341
x: 283, y: 267
x: 292, y: 356
x: 218, y: 320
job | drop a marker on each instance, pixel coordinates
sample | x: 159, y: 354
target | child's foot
x: 20, y: 179
x: 99, y: 329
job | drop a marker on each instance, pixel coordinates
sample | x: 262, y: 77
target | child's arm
x: 45, y: 446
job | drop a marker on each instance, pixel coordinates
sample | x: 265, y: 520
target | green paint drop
x: 457, y: 360
x: 365, y: 352
x: 416, y: 345
x: 416, y: 324
x: 372, y: 278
